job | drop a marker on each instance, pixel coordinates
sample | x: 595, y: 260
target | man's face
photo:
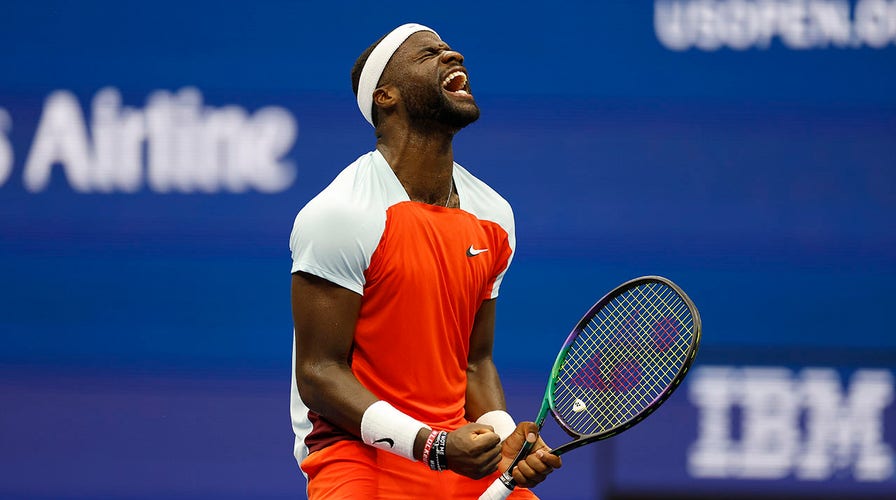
x: 433, y: 82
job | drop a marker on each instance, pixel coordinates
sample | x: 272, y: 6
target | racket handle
x: 497, y: 490
x: 504, y: 485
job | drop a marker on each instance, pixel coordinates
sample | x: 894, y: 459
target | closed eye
x: 428, y: 53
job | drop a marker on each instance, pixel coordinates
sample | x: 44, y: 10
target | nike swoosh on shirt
x: 472, y: 252
x: 388, y: 441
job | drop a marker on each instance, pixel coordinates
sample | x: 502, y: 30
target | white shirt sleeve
x: 508, y: 224
x: 336, y: 233
x: 324, y: 243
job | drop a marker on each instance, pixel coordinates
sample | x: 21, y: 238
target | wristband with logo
x: 386, y: 428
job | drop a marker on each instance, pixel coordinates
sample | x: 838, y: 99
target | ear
x: 386, y: 97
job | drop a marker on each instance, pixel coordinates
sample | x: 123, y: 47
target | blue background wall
x: 146, y: 334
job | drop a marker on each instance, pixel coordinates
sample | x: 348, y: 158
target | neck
x: 422, y: 159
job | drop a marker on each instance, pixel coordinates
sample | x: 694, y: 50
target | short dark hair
x: 359, y: 66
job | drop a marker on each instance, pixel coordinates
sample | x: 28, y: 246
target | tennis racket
x: 625, y: 357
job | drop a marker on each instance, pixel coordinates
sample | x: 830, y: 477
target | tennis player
x: 396, y: 268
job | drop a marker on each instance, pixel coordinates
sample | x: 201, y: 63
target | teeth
x: 454, y: 75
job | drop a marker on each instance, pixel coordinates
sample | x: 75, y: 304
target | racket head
x: 623, y: 359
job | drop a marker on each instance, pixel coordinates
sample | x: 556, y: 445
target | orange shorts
x: 351, y: 469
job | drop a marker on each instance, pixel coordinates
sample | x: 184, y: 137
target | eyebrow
x: 440, y: 45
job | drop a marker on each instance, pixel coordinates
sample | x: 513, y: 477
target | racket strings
x: 657, y: 378
x: 623, y: 360
x: 625, y: 338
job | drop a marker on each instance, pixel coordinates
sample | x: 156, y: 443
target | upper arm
x: 482, y: 338
x: 328, y: 264
x: 324, y: 316
x: 484, y: 390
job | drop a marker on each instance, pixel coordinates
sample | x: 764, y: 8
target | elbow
x: 480, y: 365
x: 307, y: 381
x: 312, y: 381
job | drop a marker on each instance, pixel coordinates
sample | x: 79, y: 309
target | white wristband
x: 500, y: 420
x: 384, y: 427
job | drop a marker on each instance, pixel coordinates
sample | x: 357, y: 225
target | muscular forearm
x: 331, y: 390
x: 485, y: 399
x: 335, y: 393
x: 484, y: 390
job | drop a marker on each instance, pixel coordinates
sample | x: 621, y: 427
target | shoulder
x: 336, y: 209
x: 482, y: 200
x: 335, y: 234
x: 357, y: 197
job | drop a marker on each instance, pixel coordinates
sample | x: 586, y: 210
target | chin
x: 441, y: 111
x: 459, y: 116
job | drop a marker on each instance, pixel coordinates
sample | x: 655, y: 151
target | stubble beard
x: 429, y: 109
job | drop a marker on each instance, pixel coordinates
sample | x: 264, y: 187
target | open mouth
x: 456, y: 83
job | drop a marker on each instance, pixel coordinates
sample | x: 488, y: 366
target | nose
x: 452, y: 56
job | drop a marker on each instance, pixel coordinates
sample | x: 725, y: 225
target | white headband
x: 376, y: 63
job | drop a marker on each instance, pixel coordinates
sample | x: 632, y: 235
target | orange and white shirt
x: 422, y: 271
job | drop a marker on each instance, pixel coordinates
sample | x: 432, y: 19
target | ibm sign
x: 776, y: 423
